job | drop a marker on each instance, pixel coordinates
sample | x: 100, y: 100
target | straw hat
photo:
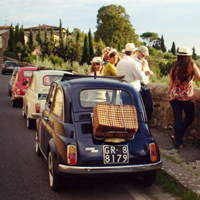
x: 184, y: 51
x: 97, y: 60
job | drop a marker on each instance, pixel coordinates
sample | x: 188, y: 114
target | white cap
x: 144, y: 50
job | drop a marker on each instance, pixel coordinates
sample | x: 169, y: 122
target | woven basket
x: 114, y: 121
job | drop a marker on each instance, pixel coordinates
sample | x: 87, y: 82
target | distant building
x: 5, y: 32
x: 4, y: 36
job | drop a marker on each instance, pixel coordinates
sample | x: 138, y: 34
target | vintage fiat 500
x: 36, y: 94
x: 65, y: 131
x: 20, y: 84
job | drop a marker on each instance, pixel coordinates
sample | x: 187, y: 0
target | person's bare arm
x: 196, y: 71
x: 170, y: 85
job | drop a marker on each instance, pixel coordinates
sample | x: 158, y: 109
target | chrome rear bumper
x: 109, y: 169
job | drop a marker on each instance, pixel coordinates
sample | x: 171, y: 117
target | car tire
x: 37, y: 149
x: 9, y: 93
x: 55, y: 180
x: 30, y: 123
x: 146, y: 179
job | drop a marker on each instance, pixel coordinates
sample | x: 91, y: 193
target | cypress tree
x: 91, y: 49
x: 61, y: 34
x: 85, y: 55
x: 30, y: 39
x: 163, y: 47
x: 16, y: 37
x: 194, y: 55
x: 39, y: 36
x: 52, y: 34
x: 21, y: 35
x: 11, y: 39
x: 173, y: 49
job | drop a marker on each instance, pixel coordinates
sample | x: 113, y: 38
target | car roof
x: 49, y: 72
x: 87, y: 81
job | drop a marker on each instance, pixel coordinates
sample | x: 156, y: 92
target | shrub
x: 168, y: 55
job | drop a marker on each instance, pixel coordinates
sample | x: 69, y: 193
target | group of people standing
x: 131, y: 64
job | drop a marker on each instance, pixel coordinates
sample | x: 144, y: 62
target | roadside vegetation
x: 169, y: 185
x: 74, y: 50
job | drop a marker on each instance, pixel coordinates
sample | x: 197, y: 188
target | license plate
x: 115, y: 154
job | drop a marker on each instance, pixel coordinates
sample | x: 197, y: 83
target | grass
x: 169, y: 185
x: 171, y: 158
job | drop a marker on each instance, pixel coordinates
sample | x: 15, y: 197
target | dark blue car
x: 65, y: 136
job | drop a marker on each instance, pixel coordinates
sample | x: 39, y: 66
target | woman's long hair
x: 183, y: 68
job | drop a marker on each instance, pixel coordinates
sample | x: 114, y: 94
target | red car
x: 20, y: 84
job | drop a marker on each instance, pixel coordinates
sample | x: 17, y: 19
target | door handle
x: 46, y: 118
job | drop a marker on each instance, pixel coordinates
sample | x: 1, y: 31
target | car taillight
x: 18, y: 91
x: 71, y: 154
x: 37, y: 108
x: 153, y: 152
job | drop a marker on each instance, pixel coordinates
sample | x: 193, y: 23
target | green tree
x: 71, y: 49
x: 39, y: 36
x: 85, y: 55
x: 91, y: 49
x: 21, y: 35
x: 16, y: 37
x: 46, y: 45
x: 61, y: 34
x: 194, y: 55
x: 30, y: 39
x: 113, y: 25
x: 149, y: 38
x: 11, y: 40
x: 99, y: 47
x: 163, y: 47
x: 173, y: 49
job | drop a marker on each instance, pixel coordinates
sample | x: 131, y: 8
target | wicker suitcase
x: 114, y: 121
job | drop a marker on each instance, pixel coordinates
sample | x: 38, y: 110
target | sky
x: 177, y: 20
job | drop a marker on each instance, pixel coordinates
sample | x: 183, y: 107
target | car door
x: 54, y: 125
x: 43, y: 139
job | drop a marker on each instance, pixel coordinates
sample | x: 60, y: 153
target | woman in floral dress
x: 181, y: 93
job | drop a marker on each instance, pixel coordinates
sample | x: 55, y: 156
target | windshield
x: 91, y: 97
x: 47, y: 80
x: 27, y: 73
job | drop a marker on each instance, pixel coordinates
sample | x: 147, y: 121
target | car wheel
x: 146, y: 179
x: 23, y: 113
x: 55, y: 180
x: 37, y: 149
x: 30, y: 123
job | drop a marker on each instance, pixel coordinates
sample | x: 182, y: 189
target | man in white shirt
x: 131, y: 69
x: 145, y: 92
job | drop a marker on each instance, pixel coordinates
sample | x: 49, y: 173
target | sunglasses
x: 97, y: 63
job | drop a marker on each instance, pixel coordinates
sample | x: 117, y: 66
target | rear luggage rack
x: 67, y: 77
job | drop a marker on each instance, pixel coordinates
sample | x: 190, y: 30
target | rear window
x: 91, y: 97
x: 10, y: 64
x: 27, y: 73
x: 47, y: 80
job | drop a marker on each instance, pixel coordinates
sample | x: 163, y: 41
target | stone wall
x: 163, y: 115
